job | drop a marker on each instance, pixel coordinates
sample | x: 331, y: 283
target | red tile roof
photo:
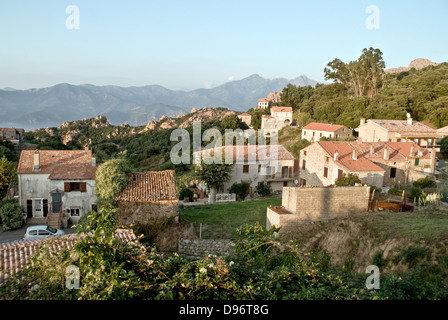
x: 256, y: 152
x: 263, y: 100
x: 244, y: 115
x: 151, y: 186
x: 59, y: 164
x: 281, y: 109
x: 399, y: 151
x: 17, y: 254
x: 323, y: 127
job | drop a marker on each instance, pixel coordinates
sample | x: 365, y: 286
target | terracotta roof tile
x: 323, y: 127
x: 60, y: 164
x: 150, y: 186
x: 16, y: 254
x: 399, y: 151
x: 281, y: 109
x: 255, y: 152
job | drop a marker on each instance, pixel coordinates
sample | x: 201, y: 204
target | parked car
x: 42, y: 231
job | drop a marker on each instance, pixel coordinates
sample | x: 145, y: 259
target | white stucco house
x: 57, y: 181
x: 273, y: 165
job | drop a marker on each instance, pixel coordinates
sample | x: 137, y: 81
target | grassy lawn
x: 225, y: 218
x: 429, y: 226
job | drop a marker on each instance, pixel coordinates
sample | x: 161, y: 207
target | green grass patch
x: 224, y: 218
x: 429, y: 226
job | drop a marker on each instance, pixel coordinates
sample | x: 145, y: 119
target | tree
x: 347, y: 180
x: 8, y: 174
x: 214, y: 175
x: 257, y: 114
x: 364, y: 77
x: 12, y: 216
x: 112, y: 178
x: 233, y: 122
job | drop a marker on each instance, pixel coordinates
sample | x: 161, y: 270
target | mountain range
x: 48, y: 107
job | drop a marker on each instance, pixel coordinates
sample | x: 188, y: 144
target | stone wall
x: 201, y: 247
x: 132, y: 212
x: 306, y: 204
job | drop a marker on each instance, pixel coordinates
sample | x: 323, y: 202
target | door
x: 56, y: 199
x: 37, y: 208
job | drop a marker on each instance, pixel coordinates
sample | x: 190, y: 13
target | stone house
x: 254, y: 164
x: 263, y: 103
x: 148, y: 197
x: 314, y: 131
x: 375, y: 130
x: 57, y: 181
x: 12, y: 134
x: 246, y: 118
x: 375, y: 163
x: 280, y: 117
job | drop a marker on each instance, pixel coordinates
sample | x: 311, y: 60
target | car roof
x: 37, y: 227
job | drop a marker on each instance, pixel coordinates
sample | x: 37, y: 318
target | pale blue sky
x: 192, y: 44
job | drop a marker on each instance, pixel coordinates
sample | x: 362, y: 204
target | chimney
x: 372, y: 149
x: 355, y: 154
x: 433, y: 161
x: 36, y: 166
x: 412, y: 153
x: 409, y: 119
x: 386, y: 153
x: 363, y: 121
x: 336, y: 156
x: 93, y: 162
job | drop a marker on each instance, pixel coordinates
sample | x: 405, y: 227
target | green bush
x: 186, y: 193
x: 415, y: 192
x: 12, y: 216
x: 347, y: 180
x: 263, y: 189
x: 423, y: 183
x: 241, y: 190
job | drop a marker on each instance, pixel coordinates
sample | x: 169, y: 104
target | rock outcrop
x: 417, y: 64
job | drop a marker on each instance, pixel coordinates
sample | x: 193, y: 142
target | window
x: 320, y: 134
x: 417, y: 161
x: 340, y: 173
x: 304, y: 153
x: 259, y: 168
x: 302, y: 182
x: 304, y: 133
x: 44, y: 233
x: 74, y: 212
x: 246, y: 168
x: 75, y: 186
x: 325, y: 172
x: 303, y: 164
x: 327, y: 159
x: 393, y: 172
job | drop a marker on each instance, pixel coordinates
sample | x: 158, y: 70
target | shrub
x: 415, y: 192
x: 263, y: 189
x: 12, y: 216
x: 423, y: 183
x: 186, y: 193
x: 241, y: 190
x: 347, y: 180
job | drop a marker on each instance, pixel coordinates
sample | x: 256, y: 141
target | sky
x: 186, y: 45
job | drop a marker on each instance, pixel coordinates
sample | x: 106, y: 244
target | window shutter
x: 29, y: 208
x: 66, y: 186
x: 45, y: 207
x: 83, y: 186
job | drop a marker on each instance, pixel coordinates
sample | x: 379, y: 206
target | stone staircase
x: 54, y: 220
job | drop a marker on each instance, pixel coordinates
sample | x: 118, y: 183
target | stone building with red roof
x: 61, y: 182
x: 314, y: 131
x: 148, y: 197
x: 375, y: 163
x: 280, y: 117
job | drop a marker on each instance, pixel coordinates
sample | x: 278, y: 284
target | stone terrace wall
x: 201, y: 247
x: 301, y: 204
x: 132, y: 212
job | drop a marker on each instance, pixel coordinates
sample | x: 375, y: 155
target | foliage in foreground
x: 263, y: 267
